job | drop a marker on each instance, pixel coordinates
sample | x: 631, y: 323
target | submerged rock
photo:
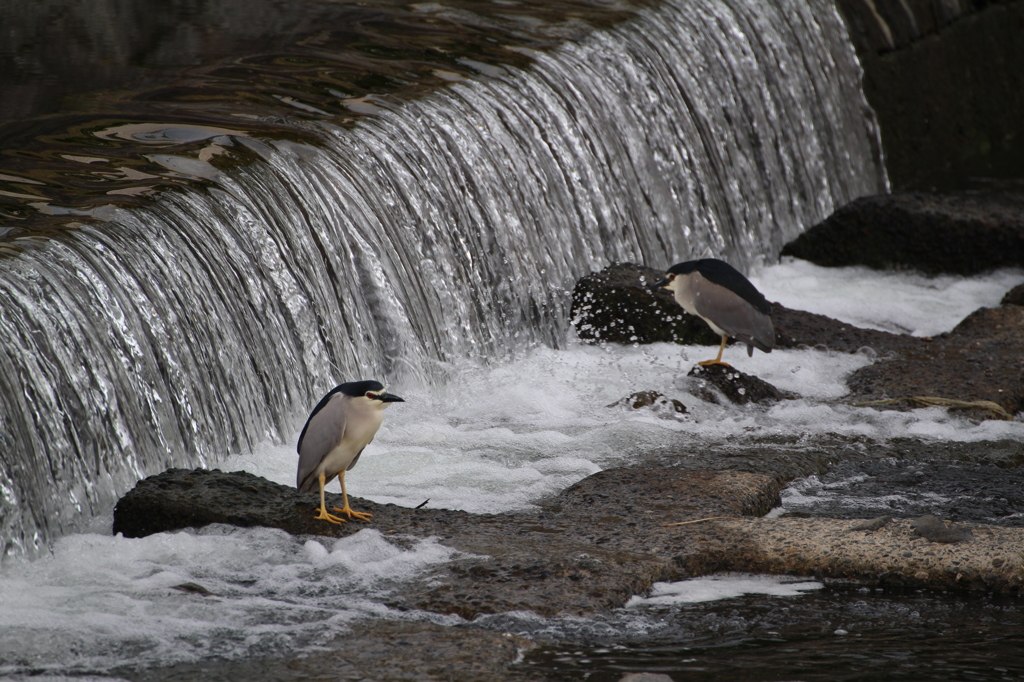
x: 370, y: 649
x: 653, y: 399
x: 932, y: 233
x: 711, y: 381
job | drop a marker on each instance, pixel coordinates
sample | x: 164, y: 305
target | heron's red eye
x: 370, y: 396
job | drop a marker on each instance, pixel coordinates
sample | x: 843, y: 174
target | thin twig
x: 710, y: 518
x: 934, y: 401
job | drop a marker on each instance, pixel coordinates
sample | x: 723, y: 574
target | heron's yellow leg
x: 365, y: 516
x: 323, y: 515
x: 717, y: 360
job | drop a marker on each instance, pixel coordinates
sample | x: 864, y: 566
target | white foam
x: 723, y: 586
x: 100, y: 600
x: 811, y: 493
x: 899, y: 302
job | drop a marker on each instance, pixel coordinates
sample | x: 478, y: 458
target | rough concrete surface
x: 892, y: 555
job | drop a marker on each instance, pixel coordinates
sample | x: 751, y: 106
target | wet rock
x: 591, y: 547
x: 599, y: 542
x: 801, y: 329
x: 886, y: 557
x: 980, y: 360
x: 654, y: 399
x: 618, y: 305
x: 932, y: 233
x: 714, y: 382
x: 1014, y: 296
x: 933, y: 528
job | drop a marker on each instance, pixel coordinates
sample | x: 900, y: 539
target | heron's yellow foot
x: 708, y: 363
x: 323, y: 515
x: 362, y: 516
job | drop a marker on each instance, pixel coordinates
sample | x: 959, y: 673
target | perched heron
x: 717, y: 293
x: 340, y: 426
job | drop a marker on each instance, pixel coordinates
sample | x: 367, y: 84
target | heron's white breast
x: 361, y: 426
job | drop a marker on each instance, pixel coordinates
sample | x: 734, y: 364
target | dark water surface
x: 841, y: 633
x: 92, y: 91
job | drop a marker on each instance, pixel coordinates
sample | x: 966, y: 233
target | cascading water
x: 439, y: 229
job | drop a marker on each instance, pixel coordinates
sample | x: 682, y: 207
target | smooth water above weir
x: 429, y: 232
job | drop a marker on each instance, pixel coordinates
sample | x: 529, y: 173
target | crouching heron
x: 721, y: 296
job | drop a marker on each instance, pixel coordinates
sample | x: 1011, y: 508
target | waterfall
x: 431, y: 232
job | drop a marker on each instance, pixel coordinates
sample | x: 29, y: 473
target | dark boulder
x: 711, y: 381
x: 618, y: 305
x: 931, y: 233
x: 1014, y: 296
x: 946, y: 82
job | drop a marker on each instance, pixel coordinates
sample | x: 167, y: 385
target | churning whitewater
x: 434, y: 233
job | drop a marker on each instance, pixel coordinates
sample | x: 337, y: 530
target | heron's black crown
x: 353, y: 389
x: 358, y: 388
x: 724, y: 275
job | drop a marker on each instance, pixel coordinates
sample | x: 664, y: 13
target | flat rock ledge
x: 894, y: 555
x: 600, y: 541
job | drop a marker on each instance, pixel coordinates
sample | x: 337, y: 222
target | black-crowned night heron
x: 340, y: 426
x: 717, y: 293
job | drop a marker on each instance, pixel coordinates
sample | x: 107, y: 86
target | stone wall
x: 946, y: 79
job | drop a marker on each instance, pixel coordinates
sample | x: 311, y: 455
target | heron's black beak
x: 661, y: 283
x: 390, y: 398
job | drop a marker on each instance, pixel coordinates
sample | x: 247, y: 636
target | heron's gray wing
x: 323, y: 432
x: 355, y: 459
x: 732, y: 314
